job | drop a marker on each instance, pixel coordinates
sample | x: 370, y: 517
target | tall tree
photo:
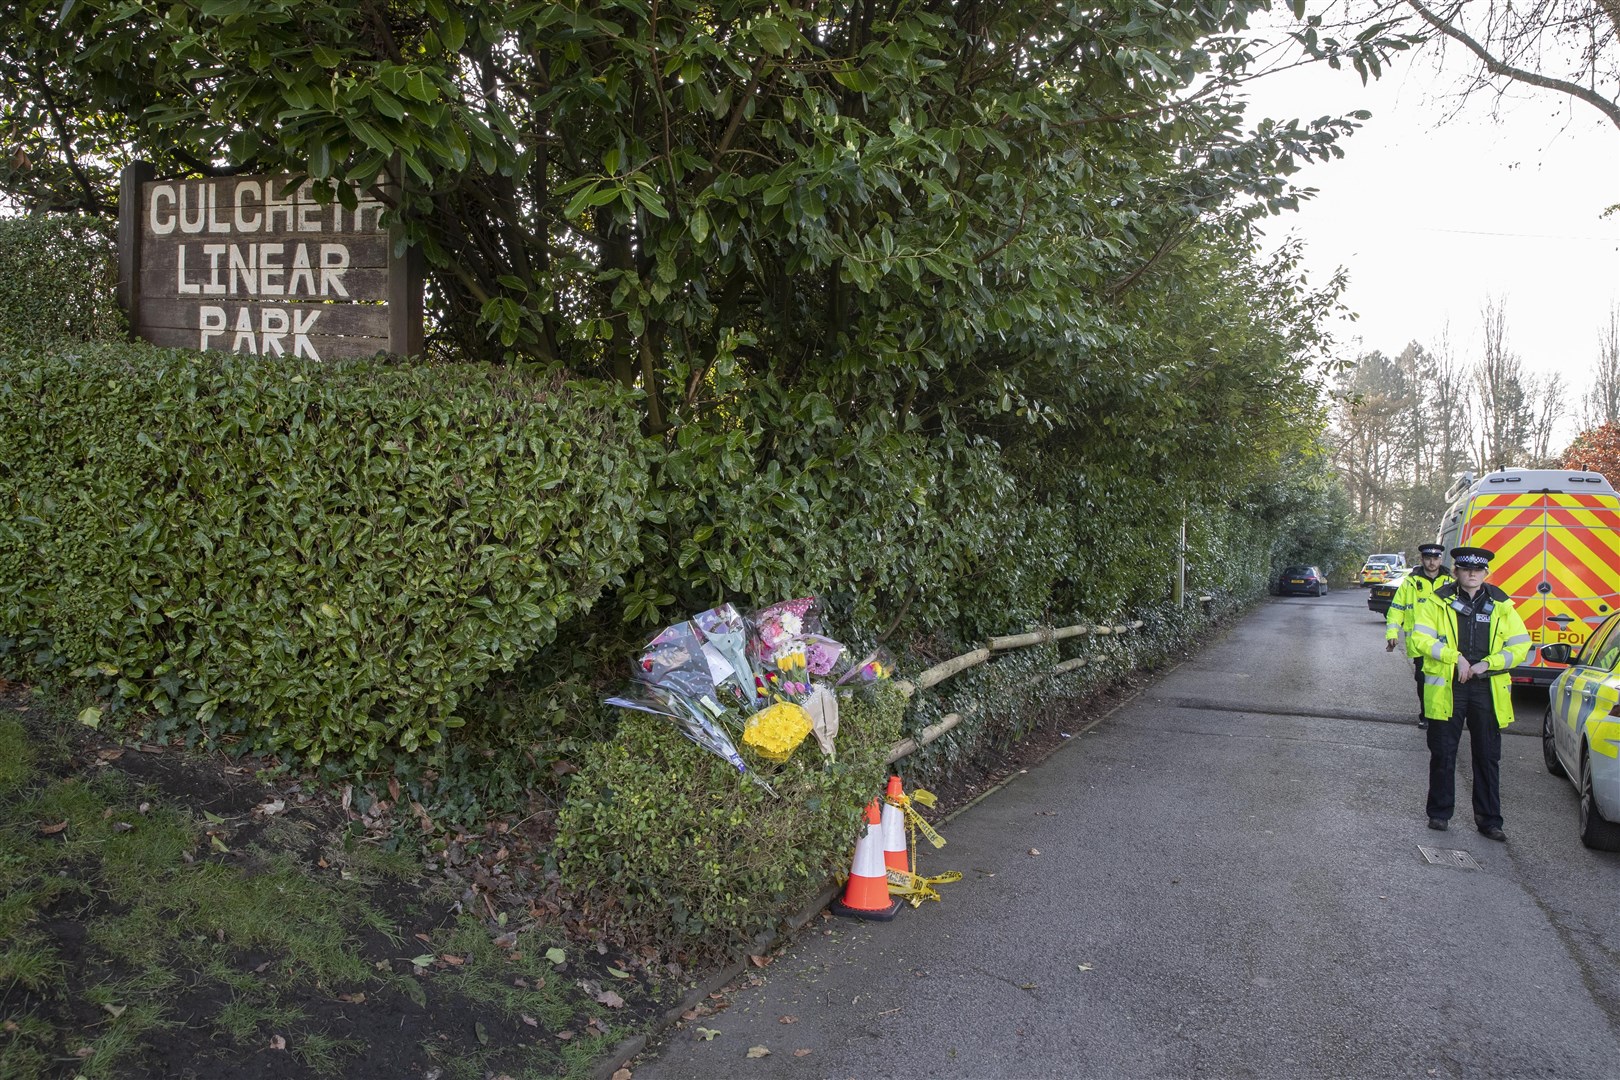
x: 1452, y: 411
x: 1601, y: 403
x: 1546, y: 405
x: 1505, y: 417
x: 1375, y: 400
x: 1441, y: 411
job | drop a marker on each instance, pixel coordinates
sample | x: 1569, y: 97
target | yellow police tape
x: 909, y: 884
x: 915, y: 889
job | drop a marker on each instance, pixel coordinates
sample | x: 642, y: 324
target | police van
x: 1556, y: 535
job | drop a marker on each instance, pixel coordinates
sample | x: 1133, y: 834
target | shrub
x: 57, y: 279
x: 667, y: 842
x: 326, y: 557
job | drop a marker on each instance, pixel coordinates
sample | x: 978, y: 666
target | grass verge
x: 177, y: 930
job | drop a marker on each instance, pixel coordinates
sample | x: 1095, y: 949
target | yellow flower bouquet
x: 776, y: 731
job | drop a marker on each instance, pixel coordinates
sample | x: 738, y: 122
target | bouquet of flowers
x: 777, y: 730
x: 787, y: 619
x: 674, y: 680
x: 821, y: 654
x: 780, y: 650
x: 877, y: 665
x: 761, y: 679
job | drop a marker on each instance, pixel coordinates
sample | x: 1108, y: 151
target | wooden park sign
x: 257, y: 265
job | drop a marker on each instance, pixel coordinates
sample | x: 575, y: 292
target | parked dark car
x: 1302, y: 581
x: 1379, y: 596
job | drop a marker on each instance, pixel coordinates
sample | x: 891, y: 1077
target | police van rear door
x: 1557, y: 556
x: 1581, y: 569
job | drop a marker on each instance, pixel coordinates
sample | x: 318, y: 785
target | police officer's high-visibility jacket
x: 1434, y: 630
x: 1403, y: 605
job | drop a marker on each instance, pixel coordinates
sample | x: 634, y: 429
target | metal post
x: 1178, y: 590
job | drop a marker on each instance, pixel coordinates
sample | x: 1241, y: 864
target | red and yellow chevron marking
x: 1505, y: 511
x: 1588, y: 511
x: 1517, y: 568
x: 1569, y: 541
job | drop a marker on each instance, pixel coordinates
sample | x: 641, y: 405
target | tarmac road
x: 1228, y: 884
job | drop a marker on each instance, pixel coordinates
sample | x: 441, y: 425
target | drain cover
x: 1443, y: 857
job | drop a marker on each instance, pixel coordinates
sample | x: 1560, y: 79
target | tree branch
x: 92, y: 200
x: 1507, y: 71
x: 1170, y: 243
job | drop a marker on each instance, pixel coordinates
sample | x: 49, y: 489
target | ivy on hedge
x: 326, y: 557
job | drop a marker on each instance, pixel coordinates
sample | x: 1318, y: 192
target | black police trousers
x: 1471, y: 706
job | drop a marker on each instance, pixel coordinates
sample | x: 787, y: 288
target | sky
x: 1434, y: 216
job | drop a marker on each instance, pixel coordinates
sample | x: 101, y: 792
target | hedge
x: 330, y: 557
x: 57, y: 280
x: 668, y: 842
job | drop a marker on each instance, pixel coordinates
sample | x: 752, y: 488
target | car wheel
x: 1549, y: 752
x: 1595, y: 831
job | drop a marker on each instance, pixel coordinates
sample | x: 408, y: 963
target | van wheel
x: 1549, y: 752
x: 1595, y: 831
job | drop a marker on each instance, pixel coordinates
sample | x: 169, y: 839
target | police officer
x: 1469, y: 636
x: 1430, y: 575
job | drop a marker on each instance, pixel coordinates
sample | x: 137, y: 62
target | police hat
x: 1431, y: 549
x: 1472, y: 558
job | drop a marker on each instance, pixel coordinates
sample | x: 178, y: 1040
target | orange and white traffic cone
x: 896, y: 854
x: 867, y: 894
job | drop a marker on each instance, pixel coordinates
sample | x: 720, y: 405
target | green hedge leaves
x: 57, y: 280
x: 666, y: 840
x: 329, y: 556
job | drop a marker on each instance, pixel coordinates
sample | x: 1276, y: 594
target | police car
x: 1580, y: 732
x: 1381, y: 568
x: 1381, y: 594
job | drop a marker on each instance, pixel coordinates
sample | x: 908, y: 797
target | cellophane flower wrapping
x: 674, y: 662
x: 673, y: 673
x: 725, y: 635
x: 691, y: 723
x: 822, y: 705
x: 821, y: 654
